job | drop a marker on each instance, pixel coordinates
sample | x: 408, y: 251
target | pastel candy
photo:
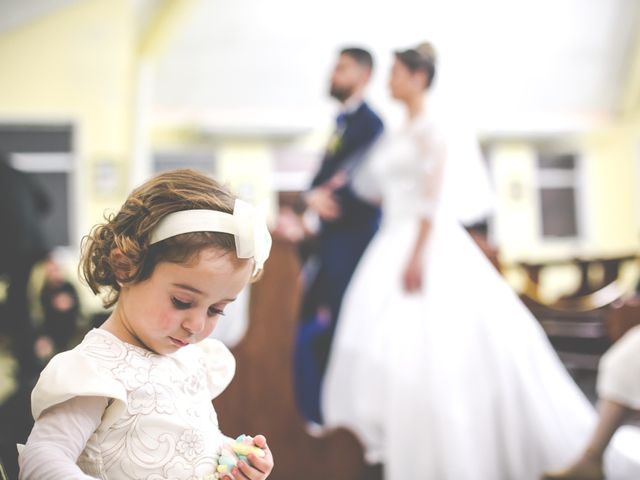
x: 244, y: 450
x: 231, y: 453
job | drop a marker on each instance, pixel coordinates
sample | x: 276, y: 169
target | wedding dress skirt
x: 458, y: 381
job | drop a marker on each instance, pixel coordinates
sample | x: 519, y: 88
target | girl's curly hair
x: 118, y: 251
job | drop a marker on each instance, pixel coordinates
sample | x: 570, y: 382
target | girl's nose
x: 194, y: 323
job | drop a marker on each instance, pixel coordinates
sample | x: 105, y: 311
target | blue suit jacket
x: 340, y: 245
x: 342, y: 242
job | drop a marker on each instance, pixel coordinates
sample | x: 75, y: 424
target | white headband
x: 247, y: 225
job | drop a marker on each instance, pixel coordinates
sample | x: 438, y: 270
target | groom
x: 346, y: 225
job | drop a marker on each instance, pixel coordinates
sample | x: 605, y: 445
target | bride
x: 436, y: 364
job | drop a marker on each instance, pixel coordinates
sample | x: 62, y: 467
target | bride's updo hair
x: 422, y: 58
x: 118, y: 251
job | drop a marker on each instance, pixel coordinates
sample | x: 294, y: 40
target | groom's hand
x: 322, y: 200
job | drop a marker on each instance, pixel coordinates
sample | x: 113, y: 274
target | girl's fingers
x: 246, y: 472
x: 260, y: 441
x: 264, y: 464
x: 255, y: 468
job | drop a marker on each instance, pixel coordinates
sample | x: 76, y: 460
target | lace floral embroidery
x: 169, y: 429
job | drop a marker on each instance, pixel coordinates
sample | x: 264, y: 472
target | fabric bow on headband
x: 247, y: 225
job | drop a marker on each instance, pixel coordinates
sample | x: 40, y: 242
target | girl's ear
x: 121, y: 265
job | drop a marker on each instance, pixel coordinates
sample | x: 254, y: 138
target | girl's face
x: 180, y: 304
x: 403, y: 83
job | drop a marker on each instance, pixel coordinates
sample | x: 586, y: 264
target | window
x: 45, y: 153
x: 201, y: 161
x: 559, y: 193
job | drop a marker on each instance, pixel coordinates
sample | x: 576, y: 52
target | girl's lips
x: 178, y: 343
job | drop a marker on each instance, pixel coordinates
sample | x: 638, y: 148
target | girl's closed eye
x: 213, y: 311
x: 184, y: 305
x: 179, y: 304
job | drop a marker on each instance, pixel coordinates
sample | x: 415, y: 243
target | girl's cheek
x: 210, y: 328
x: 169, y: 321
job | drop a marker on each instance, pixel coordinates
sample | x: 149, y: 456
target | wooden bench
x: 261, y: 398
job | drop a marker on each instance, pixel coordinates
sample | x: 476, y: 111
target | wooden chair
x: 579, y: 337
x: 575, y: 323
x: 261, y: 398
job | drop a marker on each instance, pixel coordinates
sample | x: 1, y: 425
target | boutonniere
x: 335, y: 143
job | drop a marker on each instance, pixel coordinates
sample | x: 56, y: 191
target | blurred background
x: 97, y: 95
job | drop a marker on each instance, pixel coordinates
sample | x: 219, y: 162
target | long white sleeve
x: 431, y: 151
x: 364, y: 181
x: 415, y: 160
x: 58, y: 438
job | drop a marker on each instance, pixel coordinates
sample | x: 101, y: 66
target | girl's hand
x: 260, y: 468
x: 412, y: 277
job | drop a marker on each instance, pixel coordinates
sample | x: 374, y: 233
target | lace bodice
x: 404, y: 172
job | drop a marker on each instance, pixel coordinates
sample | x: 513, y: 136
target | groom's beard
x: 341, y: 93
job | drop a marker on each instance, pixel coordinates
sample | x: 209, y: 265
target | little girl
x: 133, y: 400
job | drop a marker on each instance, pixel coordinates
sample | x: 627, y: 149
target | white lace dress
x: 159, y: 422
x: 458, y: 381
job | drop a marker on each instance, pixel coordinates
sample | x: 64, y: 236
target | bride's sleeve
x: 432, y: 154
x: 364, y: 183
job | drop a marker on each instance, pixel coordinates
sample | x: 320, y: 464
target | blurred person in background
x: 23, y: 205
x: 60, y: 305
x: 345, y: 224
x: 436, y: 364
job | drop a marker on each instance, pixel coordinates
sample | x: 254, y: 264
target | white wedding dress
x: 457, y: 382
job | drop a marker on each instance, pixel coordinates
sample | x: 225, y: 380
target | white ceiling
x: 508, y: 66
x: 511, y: 65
